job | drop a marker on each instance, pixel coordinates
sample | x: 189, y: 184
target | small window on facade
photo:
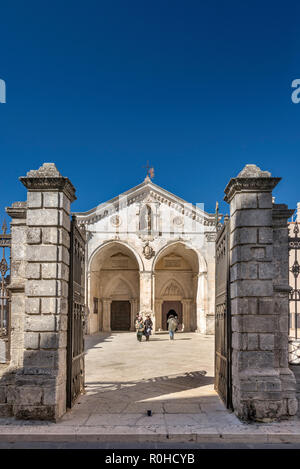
x: 95, y: 305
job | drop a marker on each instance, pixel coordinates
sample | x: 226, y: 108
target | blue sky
x: 198, y: 88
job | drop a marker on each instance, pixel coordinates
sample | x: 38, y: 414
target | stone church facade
x: 149, y: 251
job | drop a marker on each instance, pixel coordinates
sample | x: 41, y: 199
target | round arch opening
x: 176, y: 285
x: 113, y: 288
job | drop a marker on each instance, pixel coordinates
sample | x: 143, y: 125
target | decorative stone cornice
x: 17, y: 210
x: 47, y: 177
x: 251, y: 184
x: 211, y: 236
x: 280, y: 214
x: 16, y: 287
x: 250, y: 179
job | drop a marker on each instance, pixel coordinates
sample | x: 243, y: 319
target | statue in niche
x: 146, y: 219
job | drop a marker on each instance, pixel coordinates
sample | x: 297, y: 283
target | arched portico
x: 113, y: 287
x: 179, y: 271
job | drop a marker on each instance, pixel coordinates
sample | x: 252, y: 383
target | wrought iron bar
x: 294, y: 268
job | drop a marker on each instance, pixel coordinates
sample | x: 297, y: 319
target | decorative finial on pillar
x: 253, y: 171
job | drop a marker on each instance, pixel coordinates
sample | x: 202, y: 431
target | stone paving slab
x: 185, y: 407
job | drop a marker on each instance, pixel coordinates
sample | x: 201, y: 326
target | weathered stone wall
x: 8, y: 372
x: 263, y: 388
x: 40, y: 263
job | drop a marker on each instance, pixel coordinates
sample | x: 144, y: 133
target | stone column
x: 106, y: 315
x: 158, y: 314
x: 133, y: 304
x: 201, y: 301
x: 146, y: 291
x: 186, y: 314
x: 256, y: 382
x: 281, y: 214
x: 41, y: 384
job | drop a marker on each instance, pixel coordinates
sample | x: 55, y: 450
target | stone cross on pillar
x: 259, y: 374
x: 41, y: 384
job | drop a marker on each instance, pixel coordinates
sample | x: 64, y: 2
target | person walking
x: 148, y: 324
x: 172, y: 326
x: 139, y: 326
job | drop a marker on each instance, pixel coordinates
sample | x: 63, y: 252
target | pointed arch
x: 119, y: 280
x: 169, y: 289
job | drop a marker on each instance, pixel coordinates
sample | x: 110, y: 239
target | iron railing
x: 294, y: 281
x: 5, y: 244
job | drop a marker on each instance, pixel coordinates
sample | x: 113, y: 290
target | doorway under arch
x: 113, y: 288
x: 176, y: 281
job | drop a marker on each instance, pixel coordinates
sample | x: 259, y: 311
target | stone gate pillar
x: 258, y: 382
x: 41, y: 384
x: 18, y: 230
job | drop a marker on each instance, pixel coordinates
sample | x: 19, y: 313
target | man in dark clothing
x: 148, y: 327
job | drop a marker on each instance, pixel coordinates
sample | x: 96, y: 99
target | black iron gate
x: 76, y: 314
x: 222, y: 316
x: 294, y: 268
x: 5, y: 244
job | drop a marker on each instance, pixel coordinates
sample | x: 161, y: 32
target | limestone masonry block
x: 252, y: 341
x: 243, y: 201
x: 31, y: 340
x: 251, y: 218
x: 54, y: 306
x: 51, y: 199
x: 34, y: 236
x: 265, y: 235
x: 39, y: 358
x: 41, y: 217
x: 244, y: 270
x: 40, y: 323
x: 50, y: 235
x: 42, y: 253
x: 33, y: 270
x: 64, y: 203
x: 50, y: 395
x: 42, y: 288
x: 49, y: 340
x: 34, y: 199
x: 30, y: 395
x: 254, y: 288
x: 61, y: 323
x: 265, y: 200
x: 266, y: 306
x: 258, y: 324
x: 266, y: 270
x: 266, y: 341
x: 32, y: 305
x: 64, y: 220
x: 244, y: 306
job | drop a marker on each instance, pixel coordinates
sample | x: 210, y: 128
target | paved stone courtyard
x: 125, y: 378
